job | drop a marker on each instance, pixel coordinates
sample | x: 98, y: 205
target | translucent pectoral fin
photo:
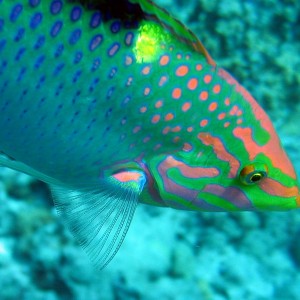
x: 99, y: 218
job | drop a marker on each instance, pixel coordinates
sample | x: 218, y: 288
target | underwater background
x: 169, y: 254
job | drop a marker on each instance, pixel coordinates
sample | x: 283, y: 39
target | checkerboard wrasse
x: 115, y: 103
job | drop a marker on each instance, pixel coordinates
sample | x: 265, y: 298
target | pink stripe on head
x: 231, y: 194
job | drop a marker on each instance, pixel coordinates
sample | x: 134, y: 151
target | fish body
x: 118, y: 103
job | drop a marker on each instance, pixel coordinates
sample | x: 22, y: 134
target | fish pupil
x: 256, y: 177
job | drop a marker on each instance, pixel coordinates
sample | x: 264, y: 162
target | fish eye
x: 253, y: 173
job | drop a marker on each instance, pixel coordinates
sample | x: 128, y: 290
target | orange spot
x: 203, y: 95
x: 179, y: 56
x: 193, y: 83
x: 226, y: 124
x: 143, y: 109
x: 146, y: 70
x: 186, y: 106
x: 234, y: 110
x: 187, y: 147
x: 203, y: 123
x: 169, y: 117
x: 207, y: 78
x: 127, y: 176
x: 190, y: 129
x: 158, y: 104
x: 199, y: 67
x: 164, y: 60
x: 176, y: 129
x: 221, y: 116
x: 176, y: 139
x: 213, y: 106
x: 182, y: 71
x: 176, y: 94
x: 217, y: 89
x: 239, y: 112
x: 156, y: 147
x: 162, y: 80
x: 166, y: 130
x: 187, y: 56
x: 155, y: 119
x: 147, y: 91
x: 227, y: 101
x: 239, y: 121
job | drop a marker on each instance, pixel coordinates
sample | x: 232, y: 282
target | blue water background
x: 169, y: 254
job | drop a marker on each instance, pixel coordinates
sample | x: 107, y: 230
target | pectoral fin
x: 99, y: 217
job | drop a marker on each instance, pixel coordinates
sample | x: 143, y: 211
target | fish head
x: 235, y: 168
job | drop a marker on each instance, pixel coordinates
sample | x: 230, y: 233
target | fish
x: 116, y: 103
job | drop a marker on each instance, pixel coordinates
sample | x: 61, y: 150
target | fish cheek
x: 179, y: 184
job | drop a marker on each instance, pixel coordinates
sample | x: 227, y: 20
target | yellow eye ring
x: 253, y: 173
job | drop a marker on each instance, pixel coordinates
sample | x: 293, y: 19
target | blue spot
x: 113, y: 72
x: 59, y: 50
x: 92, y: 105
x: 96, y: 64
x: 2, y: 44
x: 78, y: 57
x: 95, y: 20
x: 114, y: 48
x: 23, y: 113
x: 96, y: 41
x: 110, y: 92
x: 42, y: 100
x: 24, y: 93
x: 76, y: 96
x: 76, y: 76
x: 90, y: 124
x: 58, y: 90
x: 3, y: 66
x: 34, y: 3
x: 129, y: 38
x: 74, y: 116
x: 39, y: 61
x: 126, y: 100
x: 20, y: 34
x: 1, y: 24
x: 94, y: 83
x: 108, y: 113
x: 41, y: 81
x: 36, y: 20
x: 115, y: 27
x: 75, y: 13
x: 56, y: 28
x: 56, y: 6
x: 21, y: 74
x: 75, y: 36
x: 20, y: 53
x: 58, y: 68
x: 40, y: 42
x: 15, y: 13
x: 60, y: 106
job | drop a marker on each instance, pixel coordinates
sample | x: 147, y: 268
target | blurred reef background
x: 169, y: 254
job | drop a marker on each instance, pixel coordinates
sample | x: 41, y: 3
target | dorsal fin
x: 136, y: 10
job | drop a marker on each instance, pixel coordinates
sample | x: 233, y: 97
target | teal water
x: 170, y: 254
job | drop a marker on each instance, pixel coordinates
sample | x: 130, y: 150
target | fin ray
x: 99, y: 217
